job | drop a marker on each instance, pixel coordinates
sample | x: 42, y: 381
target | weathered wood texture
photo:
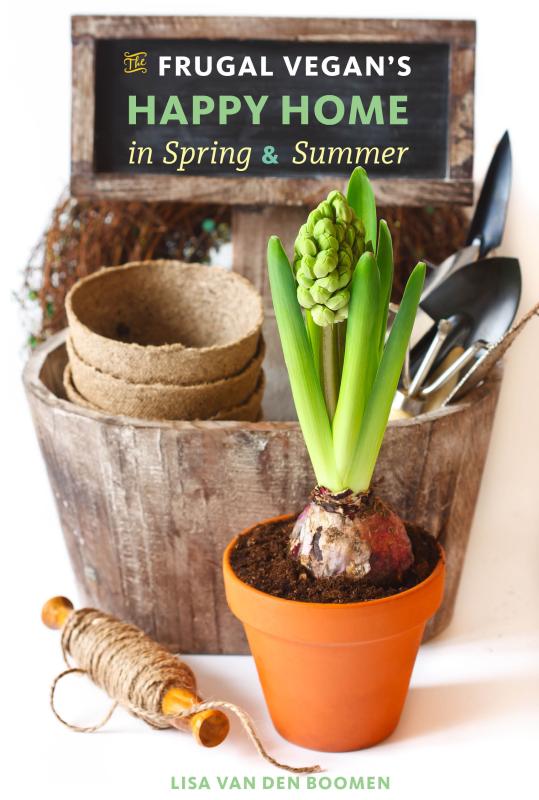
x: 457, y: 187
x: 459, y: 32
x: 147, y: 508
x: 251, y: 228
x: 260, y: 191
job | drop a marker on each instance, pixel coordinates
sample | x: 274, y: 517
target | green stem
x: 315, y: 338
x: 330, y: 372
x: 341, y: 343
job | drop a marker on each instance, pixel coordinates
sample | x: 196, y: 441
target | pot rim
x: 174, y: 347
x: 255, y: 363
x: 38, y: 391
x: 283, y: 601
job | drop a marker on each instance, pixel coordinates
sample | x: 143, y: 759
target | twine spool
x: 127, y: 664
x: 135, y: 671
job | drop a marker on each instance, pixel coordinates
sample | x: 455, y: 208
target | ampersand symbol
x: 270, y: 156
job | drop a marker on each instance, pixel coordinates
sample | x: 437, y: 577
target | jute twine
x: 136, y: 672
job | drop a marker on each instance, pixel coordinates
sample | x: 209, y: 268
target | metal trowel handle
x: 462, y: 361
x: 444, y: 328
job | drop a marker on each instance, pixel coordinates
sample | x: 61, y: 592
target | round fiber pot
x: 335, y: 676
x: 163, y: 401
x: 165, y: 322
x: 250, y: 411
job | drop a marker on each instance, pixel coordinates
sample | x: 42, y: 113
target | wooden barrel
x: 147, y: 507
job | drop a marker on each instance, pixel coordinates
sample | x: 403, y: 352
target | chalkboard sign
x: 269, y: 110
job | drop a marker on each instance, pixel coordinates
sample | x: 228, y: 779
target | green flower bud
x: 326, y: 261
x: 328, y: 242
x: 343, y: 212
x: 330, y: 282
x: 304, y: 297
x: 326, y: 210
x: 327, y: 250
x: 308, y: 262
x: 338, y: 300
x: 336, y: 195
x: 305, y: 246
x: 344, y: 259
x: 312, y: 219
x: 324, y: 226
x: 319, y: 294
x: 340, y: 231
x: 322, y: 315
x: 304, y: 278
x: 350, y: 235
x: 345, y: 276
x: 321, y: 212
x: 345, y: 248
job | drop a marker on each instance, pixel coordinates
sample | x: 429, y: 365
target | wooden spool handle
x: 55, y: 612
x: 209, y: 727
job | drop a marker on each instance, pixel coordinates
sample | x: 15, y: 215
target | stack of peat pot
x: 166, y: 340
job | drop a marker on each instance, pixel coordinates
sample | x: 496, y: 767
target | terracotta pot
x: 335, y: 677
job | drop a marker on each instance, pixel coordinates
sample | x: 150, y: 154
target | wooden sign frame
x: 456, y: 187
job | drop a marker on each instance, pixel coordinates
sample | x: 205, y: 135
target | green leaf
x: 360, y: 359
x: 298, y: 357
x: 378, y: 407
x: 384, y: 257
x: 361, y: 197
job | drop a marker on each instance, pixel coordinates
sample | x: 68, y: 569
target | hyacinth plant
x: 331, y: 306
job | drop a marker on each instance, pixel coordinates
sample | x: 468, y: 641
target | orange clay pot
x: 335, y: 676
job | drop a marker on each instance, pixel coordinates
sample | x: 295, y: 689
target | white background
x: 472, y: 710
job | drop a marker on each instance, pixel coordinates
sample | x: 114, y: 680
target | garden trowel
x: 484, y: 235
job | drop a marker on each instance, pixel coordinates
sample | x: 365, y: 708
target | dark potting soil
x: 261, y: 559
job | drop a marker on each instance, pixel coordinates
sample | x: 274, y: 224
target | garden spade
x: 481, y: 301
